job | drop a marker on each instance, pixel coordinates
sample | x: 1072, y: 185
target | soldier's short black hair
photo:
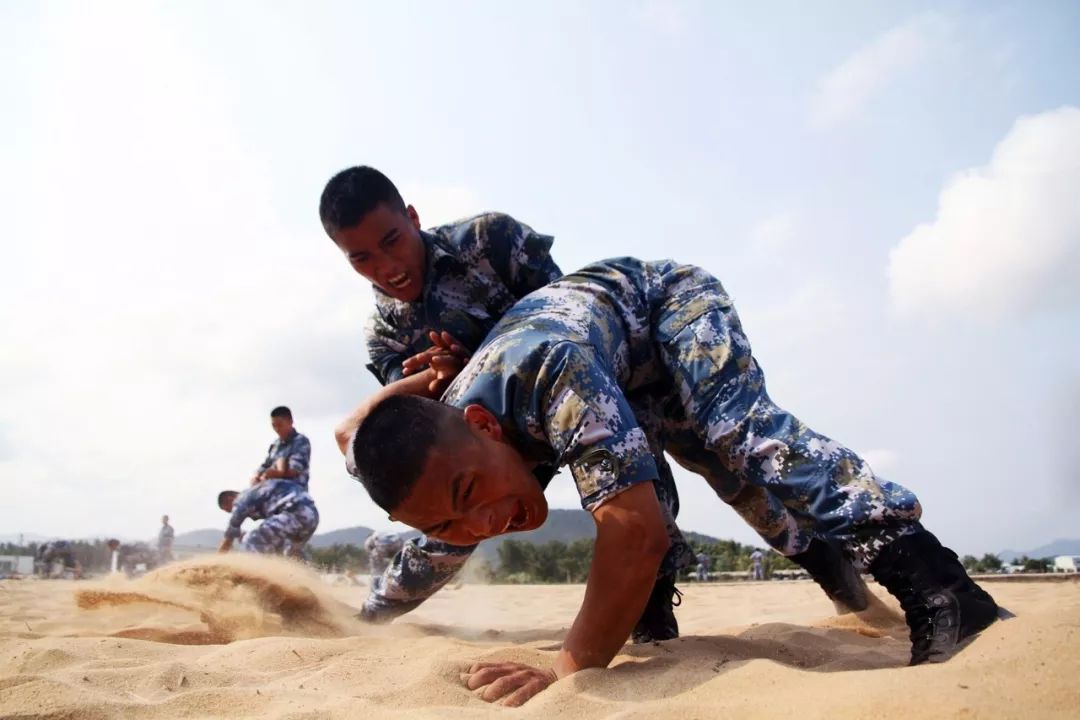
x: 224, y: 495
x: 352, y: 194
x: 282, y: 412
x: 392, y: 444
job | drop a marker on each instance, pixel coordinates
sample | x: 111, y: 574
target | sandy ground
x: 262, y: 638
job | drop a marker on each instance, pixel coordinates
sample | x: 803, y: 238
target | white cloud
x: 844, y: 90
x: 1007, y: 235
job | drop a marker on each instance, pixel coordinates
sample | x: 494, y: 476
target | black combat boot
x: 944, y: 608
x: 835, y: 574
x: 658, y: 620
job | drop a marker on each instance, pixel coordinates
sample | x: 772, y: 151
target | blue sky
x: 886, y: 191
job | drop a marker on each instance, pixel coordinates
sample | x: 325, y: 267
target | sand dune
x: 255, y: 637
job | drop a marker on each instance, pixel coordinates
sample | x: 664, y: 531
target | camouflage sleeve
x: 418, y: 571
x: 520, y: 255
x: 385, y: 351
x: 591, y: 426
x: 300, y: 457
x: 241, y: 509
x: 267, y: 462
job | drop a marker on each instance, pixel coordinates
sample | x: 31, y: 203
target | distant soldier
x: 51, y: 553
x: 757, y: 569
x: 165, y: 540
x: 131, y: 555
x: 381, y: 548
x: 289, y: 517
x: 702, y: 567
x: 288, y: 457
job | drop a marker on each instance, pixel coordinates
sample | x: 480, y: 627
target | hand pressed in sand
x: 630, y: 542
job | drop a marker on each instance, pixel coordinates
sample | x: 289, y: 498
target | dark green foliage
x: 339, y: 558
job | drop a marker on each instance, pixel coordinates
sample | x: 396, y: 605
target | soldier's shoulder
x: 482, y: 227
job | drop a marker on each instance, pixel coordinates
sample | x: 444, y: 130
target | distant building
x: 16, y: 565
x: 1067, y: 563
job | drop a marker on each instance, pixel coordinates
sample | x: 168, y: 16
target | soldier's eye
x: 388, y: 241
x: 468, y: 491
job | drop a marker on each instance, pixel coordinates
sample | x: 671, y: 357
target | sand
x: 251, y: 637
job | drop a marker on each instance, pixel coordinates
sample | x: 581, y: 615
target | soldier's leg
x: 303, y: 521
x: 722, y: 391
x: 789, y: 532
x: 270, y: 537
x: 417, y: 572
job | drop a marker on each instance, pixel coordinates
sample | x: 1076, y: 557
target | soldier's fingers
x: 478, y: 666
x: 505, y: 685
x: 520, y: 696
x: 483, y: 673
x: 452, y: 344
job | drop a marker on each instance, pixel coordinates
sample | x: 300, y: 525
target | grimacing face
x: 282, y: 426
x: 227, y: 502
x: 385, y: 247
x: 475, y: 485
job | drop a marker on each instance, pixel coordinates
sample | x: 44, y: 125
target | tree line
x: 91, y: 554
x: 551, y: 562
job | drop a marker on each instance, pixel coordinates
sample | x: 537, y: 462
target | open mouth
x: 399, y: 281
x: 520, y: 518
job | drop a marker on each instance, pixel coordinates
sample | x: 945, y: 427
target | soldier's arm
x: 295, y: 464
x: 265, y: 464
x: 240, y: 512
x: 418, y: 571
x: 417, y: 384
x: 591, y: 427
x: 631, y: 540
x: 519, y: 254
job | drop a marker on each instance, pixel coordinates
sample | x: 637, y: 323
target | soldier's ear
x: 414, y: 217
x: 481, y: 420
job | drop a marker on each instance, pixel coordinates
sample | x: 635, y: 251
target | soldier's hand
x: 446, y: 368
x: 442, y: 344
x: 512, y: 683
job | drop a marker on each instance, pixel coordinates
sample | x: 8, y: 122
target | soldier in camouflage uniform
x: 549, y: 387
x: 289, y: 517
x: 288, y: 457
x: 50, y: 553
x: 459, y: 279
x: 131, y: 555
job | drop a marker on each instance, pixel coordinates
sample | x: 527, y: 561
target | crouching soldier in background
x: 51, y: 553
x: 288, y: 514
x: 131, y: 555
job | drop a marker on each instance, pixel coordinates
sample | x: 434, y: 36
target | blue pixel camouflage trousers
x: 787, y: 481
x: 284, y: 532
